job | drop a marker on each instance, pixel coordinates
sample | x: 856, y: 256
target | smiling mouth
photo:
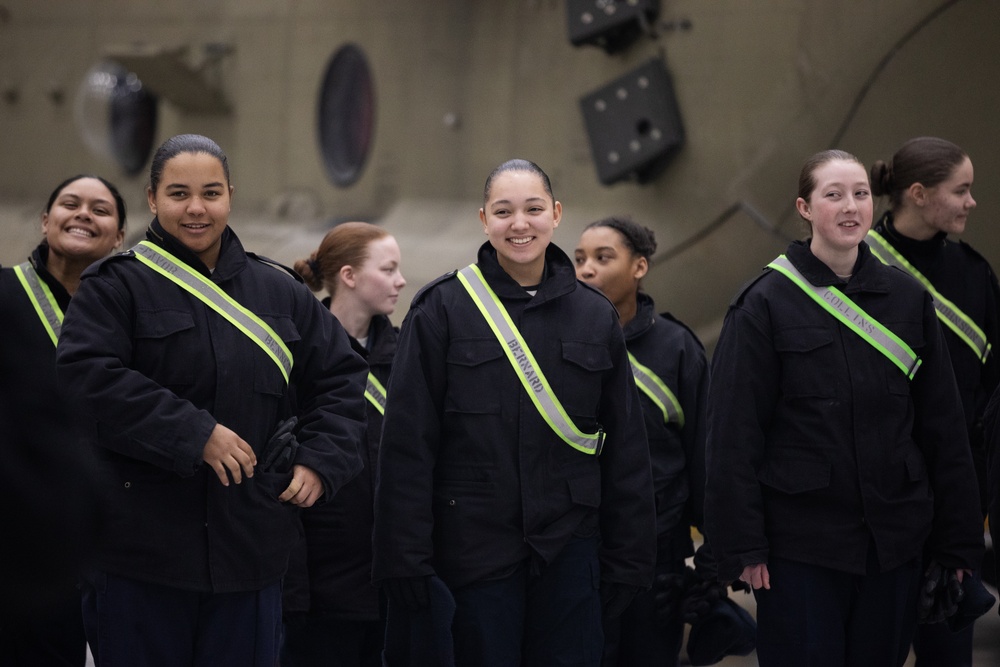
x: 521, y: 240
x: 81, y: 232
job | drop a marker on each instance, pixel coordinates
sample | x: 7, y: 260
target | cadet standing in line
x: 929, y: 185
x: 50, y: 513
x: 514, y: 464
x: 333, y: 614
x: 671, y: 372
x: 190, y: 353
x: 837, y: 453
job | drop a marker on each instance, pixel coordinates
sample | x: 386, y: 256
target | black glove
x: 410, y: 593
x: 668, y: 591
x: 939, y: 595
x: 700, y: 595
x: 615, y: 598
x: 279, y: 452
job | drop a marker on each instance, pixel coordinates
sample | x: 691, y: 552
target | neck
x: 841, y: 262
x: 67, y: 270
x: 355, y: 321
x: 907, y: 222
x: 627, y: 309
x: 526, y: 275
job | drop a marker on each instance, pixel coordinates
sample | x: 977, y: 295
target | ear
x: 482, y: 218
x: 151, y: 200
x: 347, y: 276
x: 918, y: 193
x: 120, y: 239
x: 641, y: 268
x: 45, y: 222
x: 557, y: 213
x: 802, y: 206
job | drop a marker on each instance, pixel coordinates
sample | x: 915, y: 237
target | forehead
x: 193, y: 167
x: 87, y: 188
x: 510, y: 185
x: 840, y: 171
x: 602, y: 237
x: 383, y: 248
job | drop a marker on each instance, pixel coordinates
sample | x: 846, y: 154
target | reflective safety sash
x: 525, y: 366
x: 854, y: 318
x: 650, y: 384
x: 42, y: 299
x: 212, y: 296
x: 375, y: 393
x: 949, y: 314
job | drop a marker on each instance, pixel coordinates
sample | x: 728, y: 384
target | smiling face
x: 519, y: 217
x: 839, y: 209
x: 192, y: 202
x: 946, y: 206
x: 605, y: 262
x: 378, y: 280
x: 82, y: 222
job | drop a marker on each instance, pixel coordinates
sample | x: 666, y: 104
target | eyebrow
x: 215, y: 184
x: 508, y: 202
x: 73, y: 195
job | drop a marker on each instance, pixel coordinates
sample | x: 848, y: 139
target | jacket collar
x: 39, y: 260
x: 925, y: 249
x: 232, y: 256
x: 559, y: 277
x: 645, y: 317
x: 868, y: 275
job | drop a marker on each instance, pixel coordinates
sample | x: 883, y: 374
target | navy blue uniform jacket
x: 669, y: 349
x: 472, y: 481
x: 818, y: 444
x: 158, y: 369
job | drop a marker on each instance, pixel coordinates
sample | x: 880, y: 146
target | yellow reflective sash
x: 650, y: 384
x: 42, y: 299
x: 524, y: 364
x: 950, y: 315
x: 211, y: 295
x: 375, y: 393
x: 854, y: 318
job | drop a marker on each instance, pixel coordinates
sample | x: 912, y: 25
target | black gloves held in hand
x: 940, y: 593
x: 410, y: 593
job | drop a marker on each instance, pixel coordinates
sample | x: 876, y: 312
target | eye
x: 833, y: 195
x: 862, y: 194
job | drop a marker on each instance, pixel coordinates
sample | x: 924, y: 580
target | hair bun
x: 881, y: 176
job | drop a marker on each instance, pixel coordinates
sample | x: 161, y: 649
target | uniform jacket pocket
x: 795, y: 475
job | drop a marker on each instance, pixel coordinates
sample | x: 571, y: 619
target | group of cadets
x: 513, y: 475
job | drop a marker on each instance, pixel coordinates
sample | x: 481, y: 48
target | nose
x: 196, y: 206
x: 972, y: 202
x: 83, y: 212
x: 584, y: 270
x: 401, y: 281
x: 850, y: 203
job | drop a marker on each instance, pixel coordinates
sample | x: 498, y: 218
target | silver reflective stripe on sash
x: 524, y: 364
x: 951, y: 315
x: 42, y: 299
x: 212, y: 296
x: 854, y: 318
x: 651, y: 385
x: 375, y: 393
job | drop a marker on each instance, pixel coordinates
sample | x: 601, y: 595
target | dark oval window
x: 346, y: 118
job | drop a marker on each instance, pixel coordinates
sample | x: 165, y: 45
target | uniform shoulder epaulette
x: 746, y: 287
x: 431, y: 285
x: 277, y: 265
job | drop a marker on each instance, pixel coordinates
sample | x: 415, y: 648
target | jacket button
x: 451, y: 503
x: 128, y: 485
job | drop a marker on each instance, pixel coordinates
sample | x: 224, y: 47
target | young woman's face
x: 83, y: 221
x: 605, y: 262
x: 378, y: 280
x: 192, y: 202
x: 948, y: 204
x: 840, y: 207
x: 519, y: 218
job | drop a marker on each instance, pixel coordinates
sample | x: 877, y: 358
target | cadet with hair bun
x: 225, y: 398
x: 929, y: 186
x: 837, y: 453
x: 514, y: 473
x: 671, y: 371
x: 333, y: 615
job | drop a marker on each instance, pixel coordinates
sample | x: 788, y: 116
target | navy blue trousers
x: 817, y: 617
x: 935, y: 645
x: 637, y: 638
x: 551, y: 618
x: 320, y: 640
x: 139, y: 624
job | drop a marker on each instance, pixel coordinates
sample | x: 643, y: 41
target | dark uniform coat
x: 669, y: 349
x: 472, y: 481
x: 333, y: 573
x: 965, y: 278
x: 158, y: 369
x: 819, y: 445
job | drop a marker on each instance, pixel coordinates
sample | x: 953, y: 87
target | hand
x: 410, y: 593
x: 615, y: 598
x: 229, y: 454
x: 757, y: 576
x: 305, y: 488
x: 700, y: 595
